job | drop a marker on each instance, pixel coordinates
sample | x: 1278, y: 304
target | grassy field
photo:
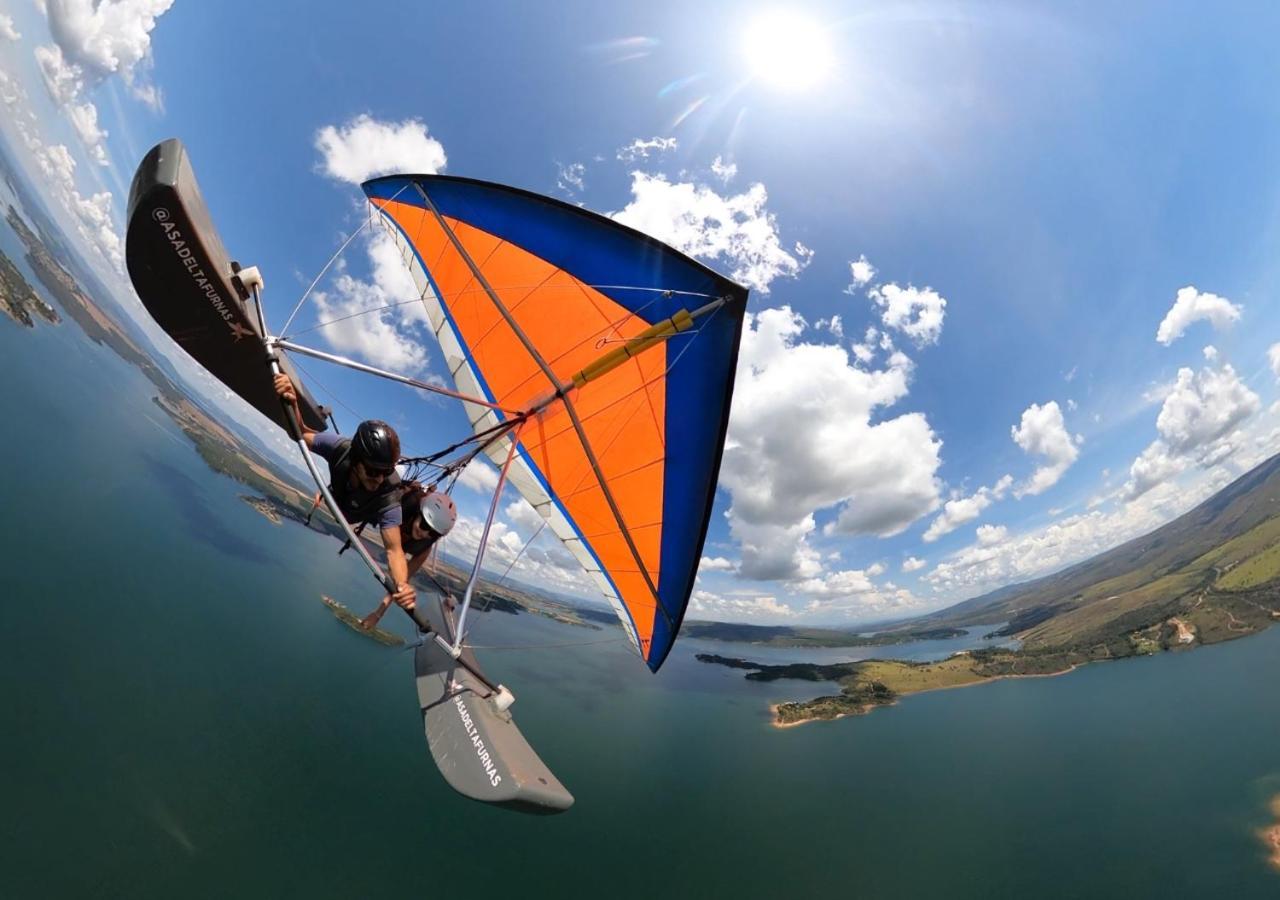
x: 1254, y: 571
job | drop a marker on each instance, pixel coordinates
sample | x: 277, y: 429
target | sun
x: 787, y: 50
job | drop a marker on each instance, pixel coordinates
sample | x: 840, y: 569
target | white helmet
x: 438, y: 512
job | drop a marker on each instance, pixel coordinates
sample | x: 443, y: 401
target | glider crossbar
x: 383, y: 373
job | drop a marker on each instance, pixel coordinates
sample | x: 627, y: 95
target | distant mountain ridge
x: 1170, y: 553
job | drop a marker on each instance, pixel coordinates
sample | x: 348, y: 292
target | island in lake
x: 18, y: 299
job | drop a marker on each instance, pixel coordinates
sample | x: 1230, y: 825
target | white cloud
x: 365, y: 147
x: 524, y: 517
x: 84, y: 119
x: 981, y: 567
x: 724, y: 171
x: 706, y: 604
x: 960, y: 510
x: 1042, y: 432
x: 1273, y: 357
x: 1195, y: 426
x: 716, y: 564
x: 640, y: 149
x: 1211, y: 353
x: 95, y: 40
x: 845, y: 583
x: 696, y: 220
x: 545, y: 562
x: 1204, y: 407
x: 105, y: 36
x: 92, y: 215
x: 861, y: 271
x: 1191, y: 306
x: 1156, y: 465
x: 801, y: 439
x: 571, y: 178
x: 875, y: 570
x: 916, y: 312
x: 480, y: 477
x: 7, y: 29
x: 65, y: 82
x: 912, y: 564
x: 990, y: 535
x: 377, y: 324
x: 833, y: 325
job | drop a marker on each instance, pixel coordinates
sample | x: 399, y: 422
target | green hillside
x: 1216, y: 569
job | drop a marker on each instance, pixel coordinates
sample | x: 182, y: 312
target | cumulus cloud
x: 875, y: 570
x: 801, y: 440
x: 1042, y: 432
x: 1203, y: 407
x: 1010, y: 559
x: 990, y: 535
x: 544, y: 562
x: 1195, y: 426
x: 524, y: 517
x: 65, y: 82
x: 960, y: 510
x: 84, y: 119
x: 92, y: 42
x: 92, y: 214
x: 844, y: 583
x: 766, y: 609
x: 9, y: 32
x: 1273, y: 358
x: 861, y: 271
x: 365, y: 147
x: 912, y: 564
x: 725, y: 171
x: 641, y: 149
x: 104, y: 37
x: 736, y: 230
x: 371, y: 319
x: 480, y: 477
x: 1191, y: 306
x: 716, y: 564
x: 916, y: 312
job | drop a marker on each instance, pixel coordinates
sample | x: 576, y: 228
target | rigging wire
x: 332, y: 260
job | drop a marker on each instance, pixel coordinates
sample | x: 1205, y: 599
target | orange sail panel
x: 514, y: 287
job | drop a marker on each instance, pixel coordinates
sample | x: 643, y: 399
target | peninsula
x: 1212, y: 575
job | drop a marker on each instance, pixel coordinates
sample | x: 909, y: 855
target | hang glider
x: 595, y: 366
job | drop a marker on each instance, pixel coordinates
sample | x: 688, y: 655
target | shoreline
x: 1270, y: 835
x: 866, y: 708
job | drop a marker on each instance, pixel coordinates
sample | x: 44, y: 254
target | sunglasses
x: 375, y: 472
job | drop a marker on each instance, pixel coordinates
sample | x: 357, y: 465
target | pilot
x: 363, y: 481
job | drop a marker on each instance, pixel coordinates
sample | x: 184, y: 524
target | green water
x: 182, y: 717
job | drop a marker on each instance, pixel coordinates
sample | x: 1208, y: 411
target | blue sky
x: 1058, y: 221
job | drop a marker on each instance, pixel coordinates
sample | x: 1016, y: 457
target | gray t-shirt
x: 330, y: 448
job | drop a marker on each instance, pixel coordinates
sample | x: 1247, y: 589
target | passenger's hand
x: 284, y: 387
x: 405, y: 597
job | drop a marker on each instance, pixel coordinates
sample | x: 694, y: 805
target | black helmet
x: 377, y: 444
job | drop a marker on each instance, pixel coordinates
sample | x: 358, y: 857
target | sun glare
x: 787, y: 51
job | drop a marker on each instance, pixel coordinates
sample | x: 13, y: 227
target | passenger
x: 426, y: 516
x: 363, y: 481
